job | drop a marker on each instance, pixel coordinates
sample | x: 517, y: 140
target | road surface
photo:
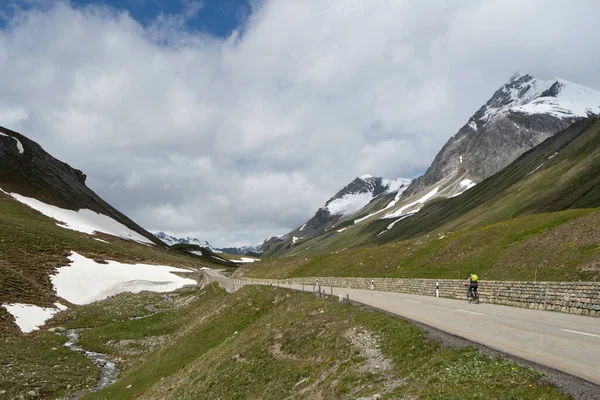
x: 565, y: 342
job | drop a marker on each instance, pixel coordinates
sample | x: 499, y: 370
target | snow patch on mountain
x: 402, y: 209
x: 467, y: 184
x: 557, y: 97
x: 572, y: 100
x: 29, y: 317
x: 86, y: 281
x: 349, y: 204
x: 398, y: 194
x: 19, y: 144
x: 84, y: 220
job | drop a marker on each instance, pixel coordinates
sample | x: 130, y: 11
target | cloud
x: 236, y: 139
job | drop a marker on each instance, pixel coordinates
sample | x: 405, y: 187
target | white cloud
x: 234, y: 140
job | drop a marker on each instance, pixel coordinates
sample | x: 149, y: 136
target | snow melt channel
x: 86, y: 281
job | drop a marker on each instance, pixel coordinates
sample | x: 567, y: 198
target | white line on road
x: 378, y: 295
x: 413, y: 301
x: 581, y: 333
x: 472, y: 312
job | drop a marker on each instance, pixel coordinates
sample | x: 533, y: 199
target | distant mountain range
x: 519, y: 116
x: 172, y: 240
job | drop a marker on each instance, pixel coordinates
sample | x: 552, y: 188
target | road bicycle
x: 473, y: 296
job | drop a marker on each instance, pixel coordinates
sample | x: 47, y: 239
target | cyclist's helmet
x: 474, y: 278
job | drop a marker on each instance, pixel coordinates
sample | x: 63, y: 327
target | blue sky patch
x: 215, y: 17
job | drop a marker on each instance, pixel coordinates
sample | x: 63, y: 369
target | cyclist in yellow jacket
x: 472, y: 283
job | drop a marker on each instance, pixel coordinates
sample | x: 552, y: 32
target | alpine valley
x: 511, y: 132
x: 94, y: 306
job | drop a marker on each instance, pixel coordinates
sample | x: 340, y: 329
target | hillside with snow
x: 519, y: 116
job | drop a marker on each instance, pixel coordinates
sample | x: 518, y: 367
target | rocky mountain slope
x: 520, y: 115
x: 29, y: 171
x: 560, y: 173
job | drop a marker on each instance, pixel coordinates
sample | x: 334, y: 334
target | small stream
x: 108, y: 369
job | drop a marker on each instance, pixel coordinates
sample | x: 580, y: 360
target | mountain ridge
x: 521, y: 114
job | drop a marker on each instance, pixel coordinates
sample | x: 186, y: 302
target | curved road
x: 565, y: 342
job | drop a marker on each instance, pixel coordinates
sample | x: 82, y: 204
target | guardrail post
x: 437, y: 289
x: 348, y: 306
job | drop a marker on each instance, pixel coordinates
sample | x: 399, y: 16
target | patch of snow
x: 390, y: 226
x: 84, y: 220
x: 29, y: 317
x: 342, y: 230
x: 366, y: 176
x: 19, y: 144
x: 552, y: 156
x: 572, y: 100
x: 538, y: 167
x: 86, y: 281
x: 467, y: 183
x: 349, y: 204
x: 356, y: 221
x: 100, y: 240
x: 460, y: 160
x: 295, y: 239
x: 198, y: 253
x: 397, y: 197
x: 246, y: 260
x: 472, y: 125
x: 302, y: 227
x: 395, y: 185
x: 422, y: 200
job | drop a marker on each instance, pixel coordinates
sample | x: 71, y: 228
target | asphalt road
x: 565, y: 342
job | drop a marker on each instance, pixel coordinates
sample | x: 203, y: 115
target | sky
x: 234, y: 121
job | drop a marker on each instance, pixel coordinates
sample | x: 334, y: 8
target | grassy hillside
x: 32, y: 246
x: 560, y: 246
x: 559, y: 174
x: 261, y: 342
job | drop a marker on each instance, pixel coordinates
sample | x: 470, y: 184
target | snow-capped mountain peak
x: 528, y: 95
x: 171, y: 240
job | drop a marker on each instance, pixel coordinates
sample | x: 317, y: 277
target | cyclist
x: 472, y: 283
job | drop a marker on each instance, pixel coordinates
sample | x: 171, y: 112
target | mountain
x: 349, y: 203
x: 172, y: 240
x: 62, y: 245
x: 559, y: 174
x: 33, y: 176
x: 520, y: 115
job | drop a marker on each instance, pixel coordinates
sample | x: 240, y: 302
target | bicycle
x: 473, y: 296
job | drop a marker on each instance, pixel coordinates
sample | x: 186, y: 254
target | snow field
x: 84, y: 220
